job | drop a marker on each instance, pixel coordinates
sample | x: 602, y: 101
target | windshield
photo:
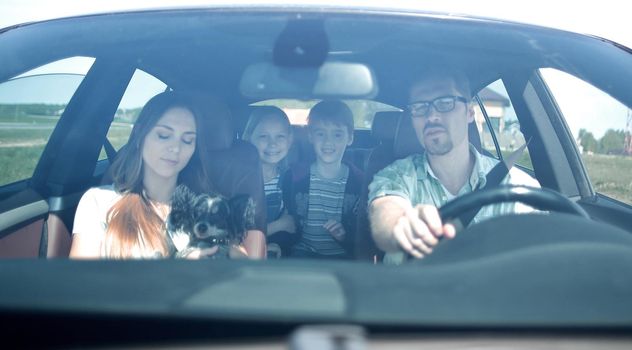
x: 304, y: 166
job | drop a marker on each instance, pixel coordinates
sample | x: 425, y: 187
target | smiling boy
x: 323, y: 196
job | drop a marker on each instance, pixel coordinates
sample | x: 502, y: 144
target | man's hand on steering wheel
x: 419, y: 230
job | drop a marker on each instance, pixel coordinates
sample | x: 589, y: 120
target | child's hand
x: 335, y: 229
x: 197, y: 253
x: 284, y: 223
x: 237, y: 252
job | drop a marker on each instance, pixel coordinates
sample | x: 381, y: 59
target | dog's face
x: 205, y: 220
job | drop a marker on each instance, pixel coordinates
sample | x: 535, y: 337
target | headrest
x: 219, y: 129
x: 384, y: 126
x: 406, y: 142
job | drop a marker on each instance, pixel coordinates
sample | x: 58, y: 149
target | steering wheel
x: 517, y: 231
x: 538, y: 198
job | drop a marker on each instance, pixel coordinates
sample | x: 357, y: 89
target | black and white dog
x: 207, y: 220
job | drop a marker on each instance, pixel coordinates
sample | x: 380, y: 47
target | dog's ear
x: 181, y: 210
x: 242, y: 213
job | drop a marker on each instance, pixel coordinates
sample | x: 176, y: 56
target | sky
x: 605, y: 18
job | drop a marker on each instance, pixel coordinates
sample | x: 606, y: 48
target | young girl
x: 269, y: 130
x: 127, y: 219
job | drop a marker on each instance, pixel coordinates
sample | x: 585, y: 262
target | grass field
x: 611, y: 175
x: 30, y: 119
x: 22, y: 143
x: 18, y: 163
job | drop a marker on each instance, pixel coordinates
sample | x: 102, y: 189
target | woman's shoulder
x: 106, y: 190
x: 92, y: 209
x: 101, y: 194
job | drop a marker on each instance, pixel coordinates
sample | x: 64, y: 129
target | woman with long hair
x: 127, y: 219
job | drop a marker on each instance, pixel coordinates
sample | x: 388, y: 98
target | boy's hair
x: 332, y: 111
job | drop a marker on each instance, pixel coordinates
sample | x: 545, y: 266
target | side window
x: 30, y: 107
x: 602, y: 128
x: 363, y: 110
x: 497, y: 124
x: 141, y: 88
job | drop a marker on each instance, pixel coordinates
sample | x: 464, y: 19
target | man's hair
x: 445, y: 72
x: 332, y: 111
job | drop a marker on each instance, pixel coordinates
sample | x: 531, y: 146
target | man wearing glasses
x: 404, y: 196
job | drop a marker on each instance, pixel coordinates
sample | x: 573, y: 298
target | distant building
x: 495, y: 105
x: 508, y: 135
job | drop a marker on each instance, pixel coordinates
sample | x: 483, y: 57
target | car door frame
x: 559, y: 167
x: 38, y: 212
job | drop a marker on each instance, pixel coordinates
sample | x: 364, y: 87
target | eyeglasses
x: 441, y: 104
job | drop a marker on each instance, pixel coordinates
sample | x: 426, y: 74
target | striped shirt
x: 326, y: 197
x: 274, y: 199
x: 413, y: 179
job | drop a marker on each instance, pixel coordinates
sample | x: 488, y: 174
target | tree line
x: 26, y: 109
x: 18, y: 110
x: 612, y: 142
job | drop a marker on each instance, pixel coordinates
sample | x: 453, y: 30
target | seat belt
x: 493, y: 179
x: 109, y: 150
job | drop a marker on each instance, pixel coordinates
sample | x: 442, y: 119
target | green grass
x: 18, y: 163
x: 611, y: 175
x: 32, y: 136
x: 30, y: 119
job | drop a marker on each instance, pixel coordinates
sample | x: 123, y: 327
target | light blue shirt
x: 412, y: 179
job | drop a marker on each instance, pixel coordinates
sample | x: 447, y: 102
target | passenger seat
x: 383, y: 130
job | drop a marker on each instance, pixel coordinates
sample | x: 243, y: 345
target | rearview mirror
x: 332, y: 79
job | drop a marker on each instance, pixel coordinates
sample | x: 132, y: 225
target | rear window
x: 298, y: 110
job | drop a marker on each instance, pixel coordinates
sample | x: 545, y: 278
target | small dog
x: 199, y: 221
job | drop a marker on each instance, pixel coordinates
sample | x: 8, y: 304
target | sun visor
x: 329, y: 80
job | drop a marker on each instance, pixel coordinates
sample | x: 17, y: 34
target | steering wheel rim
x: 538, y: 198
x: 509, y: 232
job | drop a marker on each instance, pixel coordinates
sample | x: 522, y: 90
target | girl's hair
x: 262, y: 113
x: 133, y: 221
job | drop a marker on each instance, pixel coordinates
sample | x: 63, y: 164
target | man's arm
x: 397, y: 225
x: 384, y: 212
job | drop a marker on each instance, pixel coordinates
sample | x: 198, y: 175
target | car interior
x: 220, y: 63
x: 235, y: 60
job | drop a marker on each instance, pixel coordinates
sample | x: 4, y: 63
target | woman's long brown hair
x: 133, y: 221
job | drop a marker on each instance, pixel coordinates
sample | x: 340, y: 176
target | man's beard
x: 438, y: 146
